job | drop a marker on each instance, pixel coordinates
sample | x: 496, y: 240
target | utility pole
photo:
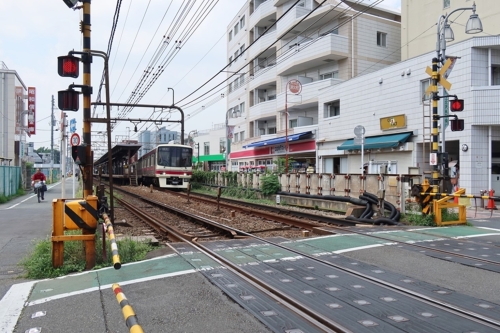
x: 87, y: 171
x: 52, y: 141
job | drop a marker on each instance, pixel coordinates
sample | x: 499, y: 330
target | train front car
x: 174, y: 165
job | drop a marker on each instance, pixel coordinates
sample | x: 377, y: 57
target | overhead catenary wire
x: 287, y: 54
x: 241, y: 69
x: 110, y: 46
x: 194, y: 23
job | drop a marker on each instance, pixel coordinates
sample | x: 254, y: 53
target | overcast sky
x: 34, y: 33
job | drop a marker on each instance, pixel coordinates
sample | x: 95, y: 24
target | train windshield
x: 175, y: 157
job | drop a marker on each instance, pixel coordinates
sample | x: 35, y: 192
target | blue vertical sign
x: 72, y: 125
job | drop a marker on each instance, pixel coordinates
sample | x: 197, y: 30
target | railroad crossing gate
x: 71, y: 214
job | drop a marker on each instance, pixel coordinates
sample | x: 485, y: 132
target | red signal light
x: 68, y: 66
x: 457, y: 105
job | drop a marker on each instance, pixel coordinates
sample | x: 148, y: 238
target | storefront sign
x: 31, y: 111
x: 279, y: 149
x: 393, y: 122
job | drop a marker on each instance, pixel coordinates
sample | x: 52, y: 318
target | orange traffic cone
x: 491, y: 202
x: 455, y: 200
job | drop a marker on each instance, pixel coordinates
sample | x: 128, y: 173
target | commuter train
x: 168, y: 166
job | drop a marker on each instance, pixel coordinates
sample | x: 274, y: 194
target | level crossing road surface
x: 177, y: 291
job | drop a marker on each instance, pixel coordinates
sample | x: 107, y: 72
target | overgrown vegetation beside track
x: 38, y: 263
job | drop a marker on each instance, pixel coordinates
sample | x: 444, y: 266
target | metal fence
x: 10, y: 179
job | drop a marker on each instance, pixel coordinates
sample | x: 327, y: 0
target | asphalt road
x: 23, y: 221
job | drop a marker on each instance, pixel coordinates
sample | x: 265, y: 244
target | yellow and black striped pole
x: 114, y: 248
x: 87, y: 170
x: 128, y: 312
x: 435, y: 119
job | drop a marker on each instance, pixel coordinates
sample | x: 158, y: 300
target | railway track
x: 334, y: 228
x: 355, y: 282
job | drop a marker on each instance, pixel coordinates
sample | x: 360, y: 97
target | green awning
x: 375, y: 142
x: 210, y: 158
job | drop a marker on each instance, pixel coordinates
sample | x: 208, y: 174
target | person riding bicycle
x: 39, y: 177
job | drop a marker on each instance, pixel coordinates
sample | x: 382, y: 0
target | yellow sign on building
x: 393, y: 122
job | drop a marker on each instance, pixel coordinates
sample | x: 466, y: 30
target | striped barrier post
x: 114, y: 248
x: 128, y: 313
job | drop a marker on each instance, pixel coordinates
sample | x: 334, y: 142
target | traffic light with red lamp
x: 457, y: 105
x: 68, y: 66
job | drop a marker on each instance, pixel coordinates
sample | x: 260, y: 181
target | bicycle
x: 38, y: 189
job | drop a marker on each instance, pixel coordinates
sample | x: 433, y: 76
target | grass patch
x: 38, y: 263
x: 4, y: 198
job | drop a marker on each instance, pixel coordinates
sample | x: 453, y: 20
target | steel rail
x: 321, y: 320
x: 311, y: 216
x: 220, y: 228
x: 277, y: 213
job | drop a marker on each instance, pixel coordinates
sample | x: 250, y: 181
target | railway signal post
x: 68, y: 66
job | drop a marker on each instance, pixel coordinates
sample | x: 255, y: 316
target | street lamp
x: 191, y: 135
x: 444, y: 34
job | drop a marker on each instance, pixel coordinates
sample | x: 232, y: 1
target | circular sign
x: 294, y: 86
x: 75, y: 139
x: 359, y: 130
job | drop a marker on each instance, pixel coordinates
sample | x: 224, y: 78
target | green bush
x: 270, y: 184
x: 38, y: 263
x: 419, y: 219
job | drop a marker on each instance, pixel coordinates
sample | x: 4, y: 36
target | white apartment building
x: 362, y: 83
x: 321, y: 47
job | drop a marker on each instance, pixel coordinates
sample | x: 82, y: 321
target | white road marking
x: 12, y: 304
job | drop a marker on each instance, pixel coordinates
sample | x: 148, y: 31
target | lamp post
x: 229, y: 136
x: 444, y: 34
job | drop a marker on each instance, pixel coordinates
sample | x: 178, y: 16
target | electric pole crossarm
x: 149, y: 106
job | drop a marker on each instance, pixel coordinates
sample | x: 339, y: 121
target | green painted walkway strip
x: 458, y: 231
x: 105, y: 276
x: 406, y: 236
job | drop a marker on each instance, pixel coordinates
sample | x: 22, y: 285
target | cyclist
x: 39, y: 176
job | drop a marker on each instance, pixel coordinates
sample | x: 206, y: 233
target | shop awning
x: 375, y: 142
x: 282, y: 139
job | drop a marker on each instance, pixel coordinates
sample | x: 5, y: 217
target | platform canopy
x: 119, y: 151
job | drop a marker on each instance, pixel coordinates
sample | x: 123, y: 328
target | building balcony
x: 262, y: 77
x: 298, y: 129
x: 263, y: 15
x: 308, y: 95
x: 319, y: 18
x: 262, y: 109
x: 263, y: 43
x: 313, y: 53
